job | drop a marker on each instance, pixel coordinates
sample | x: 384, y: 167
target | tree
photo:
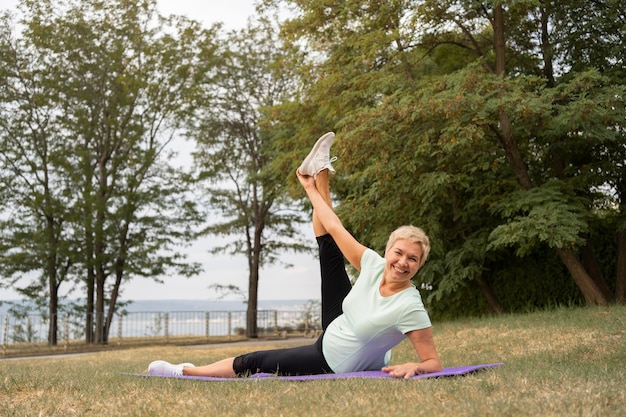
x: 236, y: 154
x: 120, y: 82
x: 572, y: 94
x: 590, y: 35
x: 455, y: 115
x: 36, y: 220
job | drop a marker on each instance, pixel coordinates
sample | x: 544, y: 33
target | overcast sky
x: 299, y: 282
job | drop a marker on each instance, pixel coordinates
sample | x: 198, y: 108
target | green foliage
x: 499, y: 148
x: 542, y: 215
x: 95, y: 93
x: 496, y: 168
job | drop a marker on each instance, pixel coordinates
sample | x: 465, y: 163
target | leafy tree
x: 236, y: 154
x: 36, y: 221
x: 598, y: 127
x: 471, y: 119
x: 114, y: 82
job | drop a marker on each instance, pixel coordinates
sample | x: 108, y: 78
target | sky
x: 275, y: 283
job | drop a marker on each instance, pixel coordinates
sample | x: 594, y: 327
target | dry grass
x: 561, y: 363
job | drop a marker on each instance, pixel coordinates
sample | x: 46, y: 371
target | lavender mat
x: 459, y: 370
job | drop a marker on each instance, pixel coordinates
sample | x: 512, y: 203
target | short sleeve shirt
x: 361, y: 338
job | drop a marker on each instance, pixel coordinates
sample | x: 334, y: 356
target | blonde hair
x: 412, y: 234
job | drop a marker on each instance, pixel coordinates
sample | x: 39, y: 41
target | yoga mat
x: 447, y: 372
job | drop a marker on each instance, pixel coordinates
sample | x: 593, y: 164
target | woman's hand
x: 405, y: 370
x: 307, y: 181
x: 424, y: 346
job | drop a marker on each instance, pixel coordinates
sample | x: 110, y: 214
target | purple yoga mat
x: 459, y: 370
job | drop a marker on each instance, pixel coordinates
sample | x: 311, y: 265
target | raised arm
x: 326, y: 221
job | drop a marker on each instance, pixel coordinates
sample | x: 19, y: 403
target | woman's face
x: 403, y: 260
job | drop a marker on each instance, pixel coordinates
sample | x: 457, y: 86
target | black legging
x: 306, y: 360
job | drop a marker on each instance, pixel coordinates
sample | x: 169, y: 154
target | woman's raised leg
x: 322, y: 183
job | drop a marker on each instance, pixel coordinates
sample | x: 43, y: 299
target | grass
x: 566, y: 362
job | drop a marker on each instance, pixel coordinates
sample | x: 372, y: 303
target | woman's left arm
x: 424, y: 345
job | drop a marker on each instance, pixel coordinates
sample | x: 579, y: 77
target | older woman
x: 362, y: 322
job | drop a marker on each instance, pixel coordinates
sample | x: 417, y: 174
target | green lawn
x: 568, y: 362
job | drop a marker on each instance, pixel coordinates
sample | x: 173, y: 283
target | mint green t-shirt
x: 362, y: 337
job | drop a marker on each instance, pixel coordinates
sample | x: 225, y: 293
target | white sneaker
x: 162, y: 368
x: 319, y: 158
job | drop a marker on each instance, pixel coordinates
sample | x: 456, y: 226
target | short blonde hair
x: 412, y: 234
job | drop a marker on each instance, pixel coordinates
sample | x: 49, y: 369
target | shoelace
x: 326, y: 161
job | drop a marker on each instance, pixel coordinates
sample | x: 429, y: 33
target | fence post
x: 275, y: 322
x: 119, y: 329
x: 230, y: 325
x: 206, y: 325
x: 67, y: 331
x: 167, y: 326
x: 5, y: 336
x: 306, y: 324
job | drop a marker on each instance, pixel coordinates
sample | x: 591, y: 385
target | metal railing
x: 31, y: 331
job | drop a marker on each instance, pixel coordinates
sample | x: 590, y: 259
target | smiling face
x: 403, y: 260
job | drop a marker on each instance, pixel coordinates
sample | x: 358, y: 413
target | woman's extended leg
x: 302, y: 360
x: 322, y: 183
x: 335, y: 281
x: 335, y: 287
x: 222, y: 368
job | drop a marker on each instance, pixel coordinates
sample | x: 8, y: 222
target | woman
x: 361, y: 323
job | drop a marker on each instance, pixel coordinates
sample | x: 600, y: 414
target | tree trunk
x: 254, y: 262
x: 253, y: 287
x: 52, y: 274
x: 100, y: 240
x: 505, y: 131
x: 90, y: 280
x: 89, y: 308
x: 592, y: 267
x: 492, y: 300
x: 251, y: 314
x: 100, y: 278
x: 547, y: 49
x: 589, y: 289
x: 120, y: 264
x: 499, y: 41
x: 53, y: 311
